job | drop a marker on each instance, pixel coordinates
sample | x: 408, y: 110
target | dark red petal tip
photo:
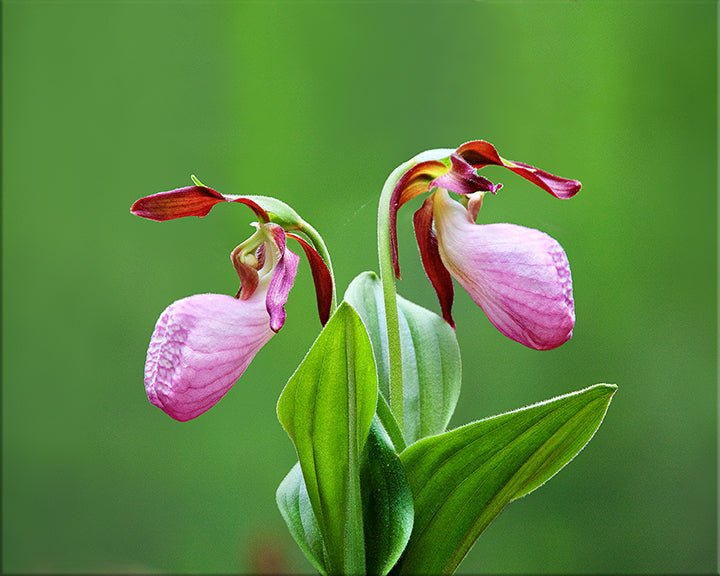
x: 188, y: 201
x: 479, y: 153
x: 559, y: 187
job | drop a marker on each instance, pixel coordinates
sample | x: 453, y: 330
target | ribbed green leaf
x: 462, y: 479
x: 387, y: 502
x: 430, y: 355
x: 387, y: 507
x: 326, y: 409
x: 294, y: 504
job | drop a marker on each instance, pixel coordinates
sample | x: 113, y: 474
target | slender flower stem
x: 387, y: 276
x: 390, y: 425
x: 317, y: 241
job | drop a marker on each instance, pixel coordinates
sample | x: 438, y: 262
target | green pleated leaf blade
x: 462, y: 479
x: 386, y: 501
x: 294, y: 504
x: 326, y: 408
x: 430, y: 355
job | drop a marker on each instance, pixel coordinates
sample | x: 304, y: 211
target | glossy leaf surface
x: 326, y: 409
x: 294, y: 504
x: 430, y: 354
x: 462, y: 479
x: 387, y: 507
x: 387, y: 502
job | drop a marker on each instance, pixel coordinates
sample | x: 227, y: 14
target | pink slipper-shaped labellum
x: 519, y: 276
x: 200, y: 347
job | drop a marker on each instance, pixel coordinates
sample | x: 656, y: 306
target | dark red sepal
x: 414, y: 182
x: 434, y: 268
x: 321, y: 276
x: 188, y: 201
x: 479, y: 153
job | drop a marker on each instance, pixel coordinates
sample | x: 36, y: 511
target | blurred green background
x: 315, y: 103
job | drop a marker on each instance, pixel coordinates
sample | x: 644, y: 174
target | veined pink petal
x: 519, y: 276
x: 201, y: 345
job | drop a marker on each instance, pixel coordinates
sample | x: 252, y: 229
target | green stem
x: 387, y: 276
x: 317, y: 241
x: 390, y: 425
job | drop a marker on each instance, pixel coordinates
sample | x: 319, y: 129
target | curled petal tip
x: 559, y: 187
x: 479, y: 153
x: 463, y: 178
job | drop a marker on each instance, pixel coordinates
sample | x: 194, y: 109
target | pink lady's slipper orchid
x: 520, y: 277
x: 202, y: 344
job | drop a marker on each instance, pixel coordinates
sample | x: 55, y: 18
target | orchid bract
x: 381, y: 486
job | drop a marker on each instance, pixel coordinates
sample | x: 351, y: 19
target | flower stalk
x: 387, y: 277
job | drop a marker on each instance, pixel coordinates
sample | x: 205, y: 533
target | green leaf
x: 387, y: 502
x: 326, y: 409
x: 387, y: 507
x: 430, y: 355
x: 462, y: 479
x: 294, y: 503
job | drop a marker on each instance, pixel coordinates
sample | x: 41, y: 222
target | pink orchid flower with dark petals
x: 520, y: 277
x: 460, y: 175
x: 199, y: 200
x: 202, y: 344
